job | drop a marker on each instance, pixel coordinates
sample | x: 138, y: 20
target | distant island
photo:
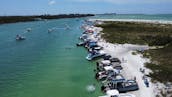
x: 14, y: 19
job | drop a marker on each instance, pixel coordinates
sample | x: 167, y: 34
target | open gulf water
x: 159, y: 17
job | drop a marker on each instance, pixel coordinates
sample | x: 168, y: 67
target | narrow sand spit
x: 134, y: 20
x: 131, y: 64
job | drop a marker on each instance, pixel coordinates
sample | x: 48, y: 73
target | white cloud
x: 51, y: 2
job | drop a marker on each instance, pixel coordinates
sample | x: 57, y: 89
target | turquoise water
x: 161, y: 17
x: 45, y: 64
x: 49, y: 64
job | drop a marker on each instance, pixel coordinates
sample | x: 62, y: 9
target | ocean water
x: 45, y: 64
x: 159, y: 17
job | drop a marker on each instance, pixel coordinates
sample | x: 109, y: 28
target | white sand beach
x: 131, y: 63
x: 135, y: 20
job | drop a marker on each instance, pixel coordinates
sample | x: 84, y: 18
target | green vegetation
x: 161, y: 64
x: 134, y: 53
x: 137, y: 33
x: 145, y: 33
x: 14, y: 19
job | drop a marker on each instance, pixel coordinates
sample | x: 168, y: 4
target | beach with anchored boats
x: 118, y: 69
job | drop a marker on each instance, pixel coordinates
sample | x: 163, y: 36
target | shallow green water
x: 44, y: 65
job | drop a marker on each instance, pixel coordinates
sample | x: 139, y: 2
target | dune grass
x: 148, y: 34
x: 161, y: 64
x: 137, y: 33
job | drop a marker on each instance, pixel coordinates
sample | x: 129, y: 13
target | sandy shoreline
x: 134, y: 20
x: 131, y: 63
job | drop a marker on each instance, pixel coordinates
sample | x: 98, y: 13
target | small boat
x: 67, y: 27
x: 101, y: 75
x: 50, y: 30
x: 95, y: 54
x: 91, y: 44
x: 84, y: 36
x: 18, y: 37
x: 110, y: 74
x: 100, y: 65
x: 95, y: 47
x: 115, y: 60
x: 103, y: 64
x: 115, y: 93
x: 80, y: 44
x: 107, y: 57
x: 116, y: 66
x: 28, y: 29
x: 129, y: 85
x: 122, y: 86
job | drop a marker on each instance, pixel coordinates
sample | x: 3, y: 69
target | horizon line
x: 94, y: 14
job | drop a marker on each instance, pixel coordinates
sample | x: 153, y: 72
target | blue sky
x: 35, y: 7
